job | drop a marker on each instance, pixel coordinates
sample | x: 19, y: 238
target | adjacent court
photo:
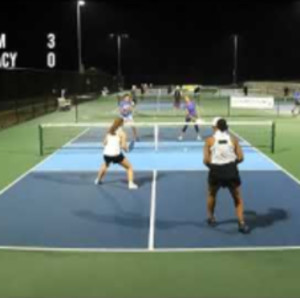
x: 57, y: 205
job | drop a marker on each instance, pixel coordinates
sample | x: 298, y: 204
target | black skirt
x: 224, y: 175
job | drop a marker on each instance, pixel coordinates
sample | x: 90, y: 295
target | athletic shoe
x: 180, y: 138
x: 199, y: 138
x: 211, y: 222
x: 244, y: 229
x: 132, y: 185
x: 97, y: 181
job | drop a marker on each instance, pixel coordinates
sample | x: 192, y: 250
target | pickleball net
x: 160, y: 136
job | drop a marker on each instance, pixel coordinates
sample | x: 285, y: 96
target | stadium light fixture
x: 235, y: 58
x: 119, y: 41
x: 80, y: 64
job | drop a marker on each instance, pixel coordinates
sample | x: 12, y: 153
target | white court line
x: 39, y: 164
x: 152, y: 223
x: 144, y: 170
x: 152, y: 213
x: 290, y: 175
x: 281, y: 168
x: 145, y: 250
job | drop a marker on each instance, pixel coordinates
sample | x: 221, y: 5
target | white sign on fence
x: 251, y: 102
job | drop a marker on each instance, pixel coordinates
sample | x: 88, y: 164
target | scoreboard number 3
x: 51, y: 56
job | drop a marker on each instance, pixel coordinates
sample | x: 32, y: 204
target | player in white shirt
x: 222, y: 153
x: 115, y: 141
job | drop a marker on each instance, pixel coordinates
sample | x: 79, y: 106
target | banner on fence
x: 251, y: 102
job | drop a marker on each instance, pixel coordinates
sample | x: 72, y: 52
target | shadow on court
x: 256, y: 220
x: 127, y: 219
x: 80, y: 179
x: 253, y: 219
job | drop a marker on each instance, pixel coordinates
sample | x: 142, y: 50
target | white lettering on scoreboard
x: 252, y: 102
x: 7, y: 59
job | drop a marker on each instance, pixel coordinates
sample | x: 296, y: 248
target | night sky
x: 168, y: 42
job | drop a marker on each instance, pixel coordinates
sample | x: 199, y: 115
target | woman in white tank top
x: 222, y: 153
x: 114, y: 143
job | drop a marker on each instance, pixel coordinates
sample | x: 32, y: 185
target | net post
x: 278, y: 107
x: 273, y: 132
x: 158, y: 100
x: 32, y: 109
x: 156, y: 137
x: 17, y: 111
x: 228, y: 106
x: 41, y: 140
x: 76, y: 109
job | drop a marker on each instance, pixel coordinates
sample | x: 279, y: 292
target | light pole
x: 235, y: 59
x: 80, y: 65
x: 119, y: 41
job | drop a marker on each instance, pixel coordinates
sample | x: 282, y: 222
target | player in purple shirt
x: 190, y: 116
x: 126, y: 113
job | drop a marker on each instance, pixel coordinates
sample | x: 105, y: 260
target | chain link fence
x: 28, y: 93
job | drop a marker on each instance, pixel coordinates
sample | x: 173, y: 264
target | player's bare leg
x: 211, y: 204
x: 239, y: 208
x: 101, y: 174
x: 130, y: 175
x: 197, y: 130
x: 134, y: 132
x: 184, y: 129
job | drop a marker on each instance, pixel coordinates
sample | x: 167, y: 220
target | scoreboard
x: 9, y: 58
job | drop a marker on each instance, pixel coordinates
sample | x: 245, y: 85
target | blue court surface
x: 57, y: 205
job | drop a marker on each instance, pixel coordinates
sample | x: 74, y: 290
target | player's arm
x: 238, y: 151
x: 105, y: 141
x: 187, y: 113
x: 121, y: 109
x: 206, y: 151
x: 123, y: 141
x: 131, y: 107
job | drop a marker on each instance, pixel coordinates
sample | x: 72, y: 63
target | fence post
x: 278, y: 107
x: 46, y: 105
x: 228, y: 107
x: 16, y: 111
x: 76, y: 109
x: 41, y: 140
x: 273, y: 134
x: 33, y: 108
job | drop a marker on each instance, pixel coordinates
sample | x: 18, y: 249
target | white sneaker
x: 132, y: 185
x: 97, y: 181
x: 180, y: 138
x: 199, y: 138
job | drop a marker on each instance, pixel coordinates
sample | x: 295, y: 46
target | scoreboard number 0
x: 51, y: 60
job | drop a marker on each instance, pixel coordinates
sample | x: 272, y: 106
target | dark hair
x: 126, y: 95
x: 222, y: 125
